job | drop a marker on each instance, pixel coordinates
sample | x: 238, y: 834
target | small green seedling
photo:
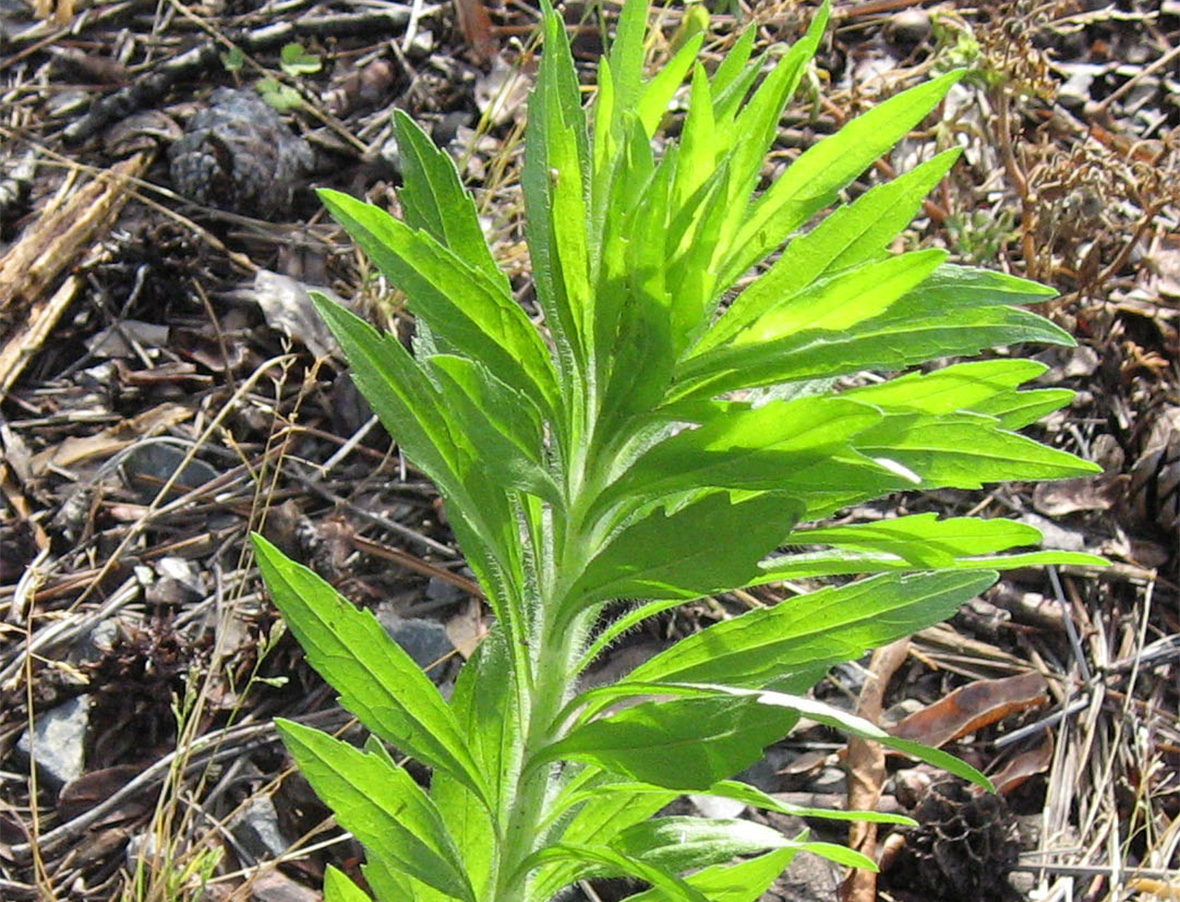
x: 296, y: 61
x: 678, y: 428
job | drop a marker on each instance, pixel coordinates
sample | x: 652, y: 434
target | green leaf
x: 598, y: 814
x: 695, y: 237
x: 965, y: 451
x: 433, y: 198
x: 338, y: 888
x: 296, y: 61
x: 760, y: 448
x: 375, y: 677
x: 626, y: 56
x: 280, y: 96
x: 825, y: 627
x: 639, y: 348
x: 963, y: 286
x: 696, y: 158
x: 501, y: 422
x: 923, y: 540
x: 471, y: 310
x: 608, y: 861
x: 674, y: 554
x: 812, y: 181
x: 681, y: 744
x: 756, y: 798
x: 849, y: 236
x: 553, y: 180
x: 389, y: 884
x: 1017, y: 409
x: 484, y: 706
x: 381, y: 806
x: 751, y: 133
x: 412, y: 409
x: 854, y: 726
x: 743, y: 882
x: 843, y: 301
x: 734, y: 62
x: 408, y: 404
x: 622, y: 196
x: 960, y: 387
x: 917, y: 331
x: 751, y: 796
x: 677, y: 844
x: 658, y: 93
x: 852, y: 563
x: 233, y: 59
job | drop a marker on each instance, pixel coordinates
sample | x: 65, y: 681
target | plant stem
x: 555, y: 661
x: 559, y: 641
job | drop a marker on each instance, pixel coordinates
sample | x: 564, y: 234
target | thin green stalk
x: 559, y: 639
x: 550, y: 689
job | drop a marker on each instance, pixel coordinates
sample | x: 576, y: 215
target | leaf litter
x: 134, y: 355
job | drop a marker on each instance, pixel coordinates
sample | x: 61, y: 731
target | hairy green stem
x: 559, y: 642
x: 533, y: 787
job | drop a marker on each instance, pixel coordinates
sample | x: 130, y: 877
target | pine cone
x: 237, y: 155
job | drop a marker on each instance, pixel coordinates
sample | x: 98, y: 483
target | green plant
x: 657, y: 442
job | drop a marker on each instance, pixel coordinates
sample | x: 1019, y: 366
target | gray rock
x: 440, y: 592
x: 151, y: 464
x: 425, y: 641
x: 256, y: 828
x: 90, y: 648
x: 908, y: 27
x: 59, y: 741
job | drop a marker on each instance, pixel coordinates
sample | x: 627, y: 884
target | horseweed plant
x: 675, y: 426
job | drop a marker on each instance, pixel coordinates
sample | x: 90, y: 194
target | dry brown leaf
x: 467, y: 628
x: 103, y: 444
x: 476, y: 25
x: 79, y: 796
x: 866, y: 770
x: 973, y: 706
x: 1088, y: 493
x: 1027, y: 764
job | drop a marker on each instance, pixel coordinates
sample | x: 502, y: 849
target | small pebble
x: 908, y: 27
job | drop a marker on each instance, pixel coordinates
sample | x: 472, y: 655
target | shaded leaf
x: 682, y: 744
x: 609, y: 861
x: 677, y: 844
x: 743, y: 882
x: 674, y: 554
x: 856, y: 726
x: 381, y: 806
x: 377, y: 680
x: 501, y: 422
